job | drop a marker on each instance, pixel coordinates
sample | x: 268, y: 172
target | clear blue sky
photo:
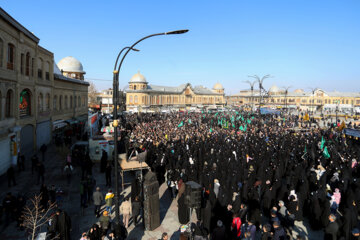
x: 301, y: 43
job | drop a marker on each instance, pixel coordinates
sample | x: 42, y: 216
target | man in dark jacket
x: 332, y: 228
x: 279, y: 232
x: 219, y: 232
x: 63, y: 224
x: 136, y: 205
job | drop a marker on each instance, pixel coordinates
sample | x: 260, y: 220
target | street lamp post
x: 261, y: 88
x: 115, y: 123
x: 337, y: 110
x: 286, y: 93
x: 252, y: 93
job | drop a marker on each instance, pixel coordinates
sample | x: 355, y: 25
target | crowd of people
x: 260, y: 174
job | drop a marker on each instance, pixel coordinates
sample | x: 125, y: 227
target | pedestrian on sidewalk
x: 104, y: 222
x: 125, y: 210
x: 21, y: 162
x: 108, y: 174
x: 109, y: 200
x: 68, y: 169
x: 91, y: 183
x: 43, y: 149
x: 11, y: 176
x: 136, y: 206
x: 83, y: 193
x: 8, y: 206
x: 34, y: 163
x: 41, y: 172
x: 98, y: 200
x: 103, y: 161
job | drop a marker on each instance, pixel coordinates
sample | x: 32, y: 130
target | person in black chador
x: 183, y: 210
x: 103, y: 161
x: 63, y: 224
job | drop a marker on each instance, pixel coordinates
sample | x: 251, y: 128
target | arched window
x: 60, y: 102
x: 71, y: 102
x: 25, y: 103
x: 11, y: 56
x: 1, y: 51
x: 47, y: 102
x: 136, y: 99
x: 27, y: 64
x: 134, y: 87
x: 9, y: 103
x: 40, y: 103
x: 75, y: 102
x: 47, y: 70
x: 40, y: 66
x: 55, y: 103
x: 130, y: 99
x: 79, y: 101
x: 66, y: 103
x: 22, y: 63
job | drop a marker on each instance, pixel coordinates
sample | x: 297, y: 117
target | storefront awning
x: 59, y: 124
x: 72, y: 121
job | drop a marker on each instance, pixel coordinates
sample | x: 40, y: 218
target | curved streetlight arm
x: 117, y: 59
x: 152, y: 35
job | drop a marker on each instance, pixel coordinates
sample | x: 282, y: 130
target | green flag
x: 216, y: 114
x: 241, y: 128
x: 248, y: 121
x: 181, y: 124
x: 190, y: 121
x: 252, y: 117
x: 326, y: 153
x: 305, y: 150
x: 322, y: 143
x: 245, y: 128
x: 233, y: 125
x: 210, y: 130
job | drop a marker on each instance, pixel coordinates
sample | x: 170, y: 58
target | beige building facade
x: 142, y: 97
x: 28, y: 86
x: 316, y: 100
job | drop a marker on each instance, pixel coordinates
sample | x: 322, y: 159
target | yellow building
x: 141, y: 96
x: 316, y: 100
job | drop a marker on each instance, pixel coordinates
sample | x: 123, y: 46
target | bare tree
x: 35, y: 216
x: 92, y: 93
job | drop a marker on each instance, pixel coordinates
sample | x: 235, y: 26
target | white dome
x: 70, y: 64
x: 218, y: 86
x: 138, y: 78
x: 274, y: 89
x: 298, y: 91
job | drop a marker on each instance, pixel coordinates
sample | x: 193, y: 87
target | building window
x: 32, y: 67
x: 55, y: 103
x: 130, y: 99
x: 347, y: 101
x: 25, y: 103
x: 134, y: 87
x: 22, y: 63
x: 11, y: 57
x: 40, y: 71
x: 47, y: 101
x: 66, y: 103
x: 136, y: 99
x: 40, y: 103
x: 60, y: 103
x: 27, y: 64
x: 1, y: 51
x: 47, y: 71
x: 8, y: 104
x: 71, y: 102
x: 75, y: 102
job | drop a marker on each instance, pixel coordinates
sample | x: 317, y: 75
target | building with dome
x: 35, y: 95
x: 72, y: 68
x: 142, y: 96
x: 316, y: 100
